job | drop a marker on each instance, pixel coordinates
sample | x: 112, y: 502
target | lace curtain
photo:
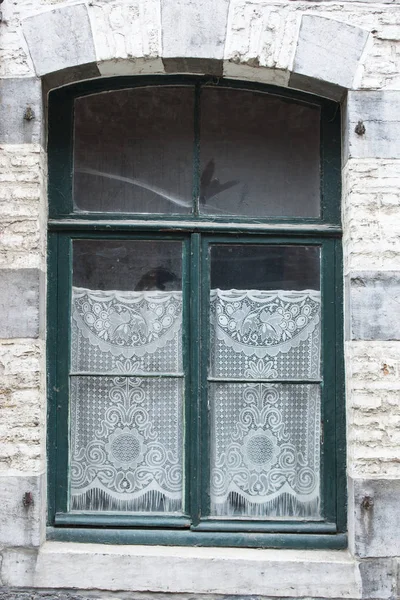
x: 127, y: 432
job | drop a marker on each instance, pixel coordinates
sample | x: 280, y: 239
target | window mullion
x: 193, y: 428
x: 196, y: 150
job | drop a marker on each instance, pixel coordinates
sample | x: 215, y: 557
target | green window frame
x: 196, y: 232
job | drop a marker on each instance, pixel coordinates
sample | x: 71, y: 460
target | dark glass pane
x: 259, y: 155
x: 126, y: 307
x: 265, y: 312
x: 133, y: 151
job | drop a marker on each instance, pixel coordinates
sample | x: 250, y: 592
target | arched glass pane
x: 259, y: 155
x: 133, y: 151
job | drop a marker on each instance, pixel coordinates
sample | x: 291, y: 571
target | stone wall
x: 347, y: 51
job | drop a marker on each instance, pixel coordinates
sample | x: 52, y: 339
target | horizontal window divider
x: 114, y: 520
x: 154, y: 375
x: 260, y: 380
x: 263, y: 526
x: 164, y: 226
x: 181, y: 537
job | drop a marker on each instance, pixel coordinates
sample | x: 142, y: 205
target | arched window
x: 195, y: 331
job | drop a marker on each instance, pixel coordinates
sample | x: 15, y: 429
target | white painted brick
x: 371, y: 214
x: 22, y: 405
x: 373, y: 377
x: 23, y: 206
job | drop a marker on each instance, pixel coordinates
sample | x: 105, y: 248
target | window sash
x: 61, y: 155
x: 197, y: 431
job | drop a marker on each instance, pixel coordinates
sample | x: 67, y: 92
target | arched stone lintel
x: 78, y: 42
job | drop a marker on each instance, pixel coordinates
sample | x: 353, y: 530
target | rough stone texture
x: 7, y: 593
x: 198, y: 570
x: 271, y: 33
x: 126, y: 30
x: 373, y: 409
x: 374, y: 309
x: 379, y: 578
x: 371, y: 214
x: 22, y: 408
x: 17, y: 567
x: 23, y: 209
x: 329, y: 50
x: 193, y: 28
x: 379, y: 114
x: 375, y: 529
x: 17, y: 98
x: 60, y: 38
x: 21, y: 303
x: 21, y: 525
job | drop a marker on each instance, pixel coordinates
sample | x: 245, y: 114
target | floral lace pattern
x: 127, y: 431
x: 265, y: 450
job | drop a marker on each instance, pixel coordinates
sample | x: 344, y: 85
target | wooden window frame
x: 196, y: 231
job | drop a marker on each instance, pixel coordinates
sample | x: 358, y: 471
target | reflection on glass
x: 126, y: 449
x: 259, y: 155
x: 133, y: 151
x: 265, y: 311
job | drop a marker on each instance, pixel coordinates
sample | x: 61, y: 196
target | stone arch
x: 232, y: 39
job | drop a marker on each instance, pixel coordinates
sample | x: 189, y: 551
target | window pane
x: 133, y: 151
x: 259, y: 155
x: 126, y: 444
x: 265, y: 450
x: 127, y: 306
x: 265, y: 312
x: 265, y: 325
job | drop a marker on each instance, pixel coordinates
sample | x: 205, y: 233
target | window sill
x: 173, y: 569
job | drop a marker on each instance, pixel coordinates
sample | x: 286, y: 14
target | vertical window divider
x: 196, y: 150
x: 61, y: 391
x: 328, y: 456
x: 194, y: 430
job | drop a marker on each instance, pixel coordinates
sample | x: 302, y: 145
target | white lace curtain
x: 127, y: 432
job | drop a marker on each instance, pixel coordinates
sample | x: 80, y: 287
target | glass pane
x: 126, y: 444
x: 126, y: 450
x: 126, y: 306
x: 259, y: 155
x: 265, y: 312
x: 133, y: 151
x: 265, y: 450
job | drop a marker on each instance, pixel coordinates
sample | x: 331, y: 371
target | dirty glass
x: 259, y: 155
x: 133, y: 151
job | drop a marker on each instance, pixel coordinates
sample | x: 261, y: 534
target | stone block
x: 372, y: 124
x: 329, y: 50
x: 374, y: 305
x: 21, y: 303
x: 237, y: 571
x: 18, y: 567
x: 22, y: 525
x: 21, y: 111
x: 193, y: 29
x: 126, y: 30
x: 59, y: 38
x: 379, y: 578
x: 374, y: 517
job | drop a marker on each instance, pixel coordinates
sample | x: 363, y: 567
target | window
x: 195, y: 329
